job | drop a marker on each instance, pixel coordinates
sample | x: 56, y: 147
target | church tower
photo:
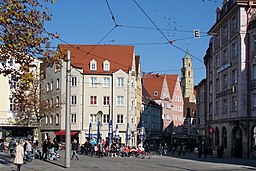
x: 187, y: 78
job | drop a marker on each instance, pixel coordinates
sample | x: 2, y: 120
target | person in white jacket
x: 19, y: 155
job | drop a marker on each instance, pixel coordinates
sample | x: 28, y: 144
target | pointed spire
x: 187, y: 54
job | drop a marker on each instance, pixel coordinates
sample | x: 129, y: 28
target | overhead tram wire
x: 112, y: 15
x: 170, y: 42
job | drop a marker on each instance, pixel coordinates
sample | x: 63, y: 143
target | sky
x: 146, y: 24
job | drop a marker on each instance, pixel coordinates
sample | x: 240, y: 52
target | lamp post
x: 128, y: 134
x: 117, y: 133
x: 99, y: 119
x: 90, y: 128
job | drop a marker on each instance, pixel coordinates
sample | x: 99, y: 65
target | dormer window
x: 155, y: 93
x: 93, y: 65
x: 106, y: 65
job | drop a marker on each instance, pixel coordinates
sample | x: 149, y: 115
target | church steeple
x: 187, y: 77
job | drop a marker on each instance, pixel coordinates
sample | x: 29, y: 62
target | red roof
x: 119, y: 57
x: 154, y: 82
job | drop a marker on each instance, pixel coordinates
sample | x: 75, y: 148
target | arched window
x: 224, y: 137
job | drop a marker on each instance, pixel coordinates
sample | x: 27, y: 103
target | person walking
x: 161, y: 149
x: 19, y: 155
x: 28, y: 151
x: 165, y: 149
x: 74, y: 149
x: 11, y: 147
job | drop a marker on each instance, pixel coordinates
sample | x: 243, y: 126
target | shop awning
x: 63, y: 132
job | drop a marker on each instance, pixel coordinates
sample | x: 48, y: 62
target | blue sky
x: 88, y: 22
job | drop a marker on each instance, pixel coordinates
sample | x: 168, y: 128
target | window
x: 73, y: 100
x: 234, y: 23
x: 106, y: 66
x: 93, y: 65
x: 217, y: 61
x: 105, y: 118
x: 254, y: 42
x: 234, y: 103
x: 93, y: 82
x: 225, y: 81
x: 48, y: 87
x: 234, y: 76
x: 106, y: 82
x: 51, y: 103
x: 57, y: 101
x: 50, y: 120
x: 225, y: 57
x: 57, y: 119
x: 254, y: 100
x: 11, y: 104
x: 217, y: 108
x: 92, y: 118
x: 11, y: 62
x: 217, y: 38
x: 58, y: 84
x: 93, y: 100
x: 155, y: 93
x: 120, y: 119
x: 120, y: 100
x: 73, y: 81
x: 225, y: 106
x: 106, y: 100
x: 46, y: 120
x: 51, y: 86
x: 120, y: 82
x: 234, y: 49
x: 73, y: 118
x: 217, y: 84
x: 225, y: 31
x: 254, y: 72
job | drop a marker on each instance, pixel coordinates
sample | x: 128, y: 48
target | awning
x: 63, y: 132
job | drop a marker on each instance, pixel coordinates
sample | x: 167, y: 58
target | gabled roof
x: 120, y: 57
x: 146, y: 98
x: 154, y: 82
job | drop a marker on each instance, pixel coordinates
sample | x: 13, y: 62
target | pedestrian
x: 45, y: 150
x: 160, y: 149
x: 11, y: 147
x: 74, y: 149
x: 179, y: 149
x: 199, y: 151
x: 28, y: 151
x: 206, y: 151
x: 19, y: 155
x: 184, y: 149
x: 147, y: 150
x: 165, y: 149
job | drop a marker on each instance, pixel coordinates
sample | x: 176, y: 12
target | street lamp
x: 117, y: 133
x: 99, y: 119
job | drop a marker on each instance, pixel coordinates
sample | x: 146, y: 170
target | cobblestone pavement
x: 189, y: 162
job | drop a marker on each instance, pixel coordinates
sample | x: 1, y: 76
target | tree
x: 23, y: 38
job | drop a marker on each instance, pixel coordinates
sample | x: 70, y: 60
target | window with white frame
x: 57, y: 119
x: 93, y: 65
x: 93, y: 100
x: 93, y: 81
x: 106, y: 100
x: 105, y: 118
x: 106, y: 66
x: 51, y: 103
x: 234, y: 103
x: 155, y: 93
x: 92, y: 118
x: 57, y: 83
x: 225, y: 106
x: 225, y: 31
x: 48, y: 87
x: 57, y: 101
x: 73, y: 118
x: 234, y: 49
x: 50, y: 120
x: 73, y: 100
x: 120, y: 82
x: 106, y: 82
x: 46, y: 120
x: 234, y: 76
x: 73, y: 81
x: 51, y: 86
x: 120, y: 100
x: 119, y: 118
